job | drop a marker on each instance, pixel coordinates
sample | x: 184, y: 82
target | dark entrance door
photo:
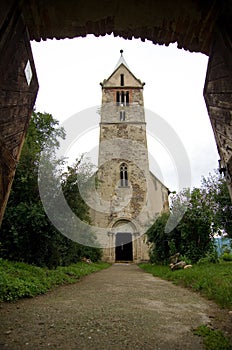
x: 123, y: 250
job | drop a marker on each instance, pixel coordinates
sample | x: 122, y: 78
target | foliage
x: 75, y: 186
x: 217, y: 197
x: 185, y: 259
x: 211, y: 257
x: 212, y: 280
x: 213, y: 339
x: 43, y: 128
x: 197, y: 216
x: 196, y: 226
x: 227, y: 257
x: 163, y: 244
x: 19, y: 280
x: 159, y: 251
x: 26, y: 233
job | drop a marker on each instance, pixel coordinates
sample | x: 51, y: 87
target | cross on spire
x: 121, y: 61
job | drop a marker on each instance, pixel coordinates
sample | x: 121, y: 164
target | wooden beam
x: 17, y: 93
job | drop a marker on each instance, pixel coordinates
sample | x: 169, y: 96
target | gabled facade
x: 130, y: 196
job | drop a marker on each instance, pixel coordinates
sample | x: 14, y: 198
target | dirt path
x: 118, y: 308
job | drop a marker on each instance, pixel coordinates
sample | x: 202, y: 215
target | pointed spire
x: 121, y: 61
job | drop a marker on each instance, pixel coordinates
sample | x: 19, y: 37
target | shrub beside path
x: 120, y: 308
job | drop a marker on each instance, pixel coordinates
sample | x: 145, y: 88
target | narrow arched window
x: 122, y: 116
x: 118, y: 98
x: 122, y: 79
x: 127, y: 98
x: 123, y: 175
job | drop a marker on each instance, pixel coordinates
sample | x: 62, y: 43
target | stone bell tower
x: 130, y: 196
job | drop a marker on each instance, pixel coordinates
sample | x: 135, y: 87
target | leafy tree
x: 216, y: 194
x: 207, y: 210
x: 43, y: 128
x: 76, y: 178
x: 160, y: 249
x: 26, y: 233
x: 76, y: 184
x: 196, y: 227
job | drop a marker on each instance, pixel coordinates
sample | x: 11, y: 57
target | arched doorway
x: 123, y: 241
x: 123, y: 247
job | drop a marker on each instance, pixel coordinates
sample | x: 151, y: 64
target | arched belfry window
x: 122, y: 98
x: 123, y: 175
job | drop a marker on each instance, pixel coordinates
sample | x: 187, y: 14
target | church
x: 130, y: 196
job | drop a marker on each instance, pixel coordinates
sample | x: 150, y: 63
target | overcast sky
x: 69, y: 73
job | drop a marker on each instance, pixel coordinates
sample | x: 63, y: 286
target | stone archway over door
x: 123, y: 246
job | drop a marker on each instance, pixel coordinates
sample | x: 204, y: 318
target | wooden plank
x: 6, y: 8
x: 218, y: 95
x: 17, y: 97
x: 6, y: 155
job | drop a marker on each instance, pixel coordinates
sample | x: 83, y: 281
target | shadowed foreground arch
x: 196, y: 25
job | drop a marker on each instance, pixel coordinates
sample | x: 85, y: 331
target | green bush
x: 185, y: 259
x: 227, y: 257
x: 211, y: 257
x: 20, y: 280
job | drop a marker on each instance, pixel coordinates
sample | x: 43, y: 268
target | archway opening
x: 168, y: 73
x: 123, y: 249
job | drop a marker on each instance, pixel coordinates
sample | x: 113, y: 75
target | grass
x: 20, y: 280
x: 213, y: 339
x: 214, y: 281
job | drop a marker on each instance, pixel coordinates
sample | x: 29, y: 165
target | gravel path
x: 118, y: 308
